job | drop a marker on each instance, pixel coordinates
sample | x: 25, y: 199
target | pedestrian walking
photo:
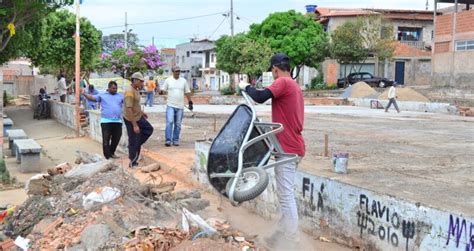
x: 287, y: 109
x: 176, y: 88
x: 392, y: 97
x: 150, y: 92
x: 62, y: 88
x: 111, y: 104
x: 138, y: 128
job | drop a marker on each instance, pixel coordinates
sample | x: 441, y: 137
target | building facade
x: 168, y: 56
x: 411, y: 63
x: 453, y: 54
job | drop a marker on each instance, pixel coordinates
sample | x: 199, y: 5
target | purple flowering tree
x: 124, y: 62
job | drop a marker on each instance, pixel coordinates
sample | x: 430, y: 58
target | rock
x: 88, y: 170
x: 39, y: 184
x: 86, y: 158
x: 3, y: 237
x: 193, y: 204
x: 95, y: 236
x: 239, y: 238
x: 59, y: 169
x: 187, y: 194
x: 151, y: 168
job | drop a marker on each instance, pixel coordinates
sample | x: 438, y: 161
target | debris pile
x: 99, y: 205
x: 406, y: 94
x: 359, y: 90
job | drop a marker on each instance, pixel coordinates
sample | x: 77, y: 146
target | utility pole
x: 427, y: 4
x: 78, y: 68
x: 232, y: 18
x: 153, y: 41
x: 126, y: 31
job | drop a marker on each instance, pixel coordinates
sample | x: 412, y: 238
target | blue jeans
x: 174, y: 116
x: 149, y: 98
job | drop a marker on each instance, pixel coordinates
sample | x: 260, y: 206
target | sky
x: 105, y: 14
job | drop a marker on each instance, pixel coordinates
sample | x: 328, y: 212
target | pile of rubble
x: 98, y: 205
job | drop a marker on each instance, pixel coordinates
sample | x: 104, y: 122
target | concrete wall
x: 63, y: 113
x: 361, y: 217
x: 95, y: 131
x: 443, y: 108
x: 454, y: 69
x: 417, y: 70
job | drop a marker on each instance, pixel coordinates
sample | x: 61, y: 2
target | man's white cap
x: 138, y: 75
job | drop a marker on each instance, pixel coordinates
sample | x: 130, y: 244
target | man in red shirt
x: 287, y: 109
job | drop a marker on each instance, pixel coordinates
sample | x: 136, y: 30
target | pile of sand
x: 406, y: 94
x: 359, y: 90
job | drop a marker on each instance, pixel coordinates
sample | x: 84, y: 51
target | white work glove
x: 243, y: 85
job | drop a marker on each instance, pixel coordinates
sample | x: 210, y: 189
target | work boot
x: 168, y: 144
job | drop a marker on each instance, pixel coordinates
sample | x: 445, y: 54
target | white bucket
x: 340, y: 161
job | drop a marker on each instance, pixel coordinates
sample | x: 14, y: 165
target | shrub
x: 227, y: 91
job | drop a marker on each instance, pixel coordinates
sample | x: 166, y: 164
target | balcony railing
x: 415, y: 44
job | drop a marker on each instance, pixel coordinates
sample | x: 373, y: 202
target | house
x: 18, y: 76
x: 411, y: 63
x: 213, y: 78
x: 453, y: 54
x: 190, y: 57
x: 168, y: 56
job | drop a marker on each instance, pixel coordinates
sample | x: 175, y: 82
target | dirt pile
x: 406, y: 94
x: 100, y: 205
x: 359, y: 90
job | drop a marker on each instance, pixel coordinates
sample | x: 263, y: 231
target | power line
x: 223, y: 20
x: 166, y: 21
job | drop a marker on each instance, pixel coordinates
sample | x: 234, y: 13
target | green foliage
x: 299, y: 36
x: 112, y: 41
x: 3, y: 168
x: 227, y: 91
x: 6, y: 98
x: 347, y: 44
x: 22, y: 13
x: 295, y: 34
x: 55, y: 48
x: 4, y: 174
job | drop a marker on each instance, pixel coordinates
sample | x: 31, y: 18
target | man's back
x: 176, y: 89
x: 288, y: 109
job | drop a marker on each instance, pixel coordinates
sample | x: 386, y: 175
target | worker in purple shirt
x: 111, y: 105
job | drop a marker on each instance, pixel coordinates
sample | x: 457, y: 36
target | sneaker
x: 278, y: 241
x: 115, y: 156
x: 175, y: 144
x: 167, y: 144
x: 133, y: 165
x: 272, y: 241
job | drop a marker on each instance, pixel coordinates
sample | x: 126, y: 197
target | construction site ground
x: 59, y: 145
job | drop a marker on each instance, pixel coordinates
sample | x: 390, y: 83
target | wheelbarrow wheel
x: 250, y: 185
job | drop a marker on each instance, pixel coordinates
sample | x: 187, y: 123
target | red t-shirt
x: 288, y: 109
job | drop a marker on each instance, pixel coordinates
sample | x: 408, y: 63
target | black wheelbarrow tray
x: 240, y: 153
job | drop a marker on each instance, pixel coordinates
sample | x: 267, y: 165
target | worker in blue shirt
x: 111, y: 104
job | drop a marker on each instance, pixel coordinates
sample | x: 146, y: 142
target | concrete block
x: 12, y: 135
x: 28, y: 154
x: 7, y: 125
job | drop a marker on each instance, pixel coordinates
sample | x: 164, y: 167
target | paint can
x: 340, y: 161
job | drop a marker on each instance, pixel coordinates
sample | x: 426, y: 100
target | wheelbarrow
x: 242, y: 151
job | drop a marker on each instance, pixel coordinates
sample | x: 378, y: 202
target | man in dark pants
x: 111, y: 104
x: 138, y: 128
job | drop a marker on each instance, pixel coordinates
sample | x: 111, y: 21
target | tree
x: 228, y: 52
x: 112, y: 41
x: 55, y: 48
x: 15, y: 14
x: 126, y: 61
x: 295, y: 34
x: 347, y: 45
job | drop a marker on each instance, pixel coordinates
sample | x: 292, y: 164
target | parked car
x: 365, y: 77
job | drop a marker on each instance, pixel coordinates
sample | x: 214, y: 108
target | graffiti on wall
x: 383, y: 222
x: 315, y: 195
x: 460, y: 232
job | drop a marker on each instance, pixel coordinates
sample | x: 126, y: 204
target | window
x: 467, y: 45
x: 409, y: 34
x: 187, y: 54
x: 177, y: 59
x: 182, y: 59
x: 213, y: 58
